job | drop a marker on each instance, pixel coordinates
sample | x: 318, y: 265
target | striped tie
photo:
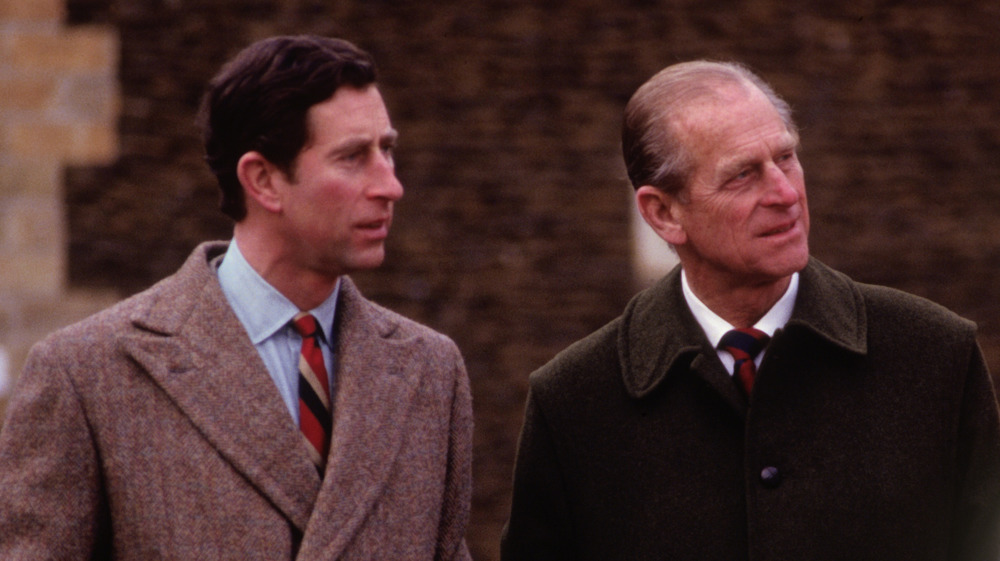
x: 744, y: 344
x: 315, y: 419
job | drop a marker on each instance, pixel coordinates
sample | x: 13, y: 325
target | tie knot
x: 746, y: 340
x: 305, y: 324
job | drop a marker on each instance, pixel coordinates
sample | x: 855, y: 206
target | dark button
x: 770, y: 477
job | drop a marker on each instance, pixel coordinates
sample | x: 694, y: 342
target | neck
x: 741, y: 305
x: 305, y: 288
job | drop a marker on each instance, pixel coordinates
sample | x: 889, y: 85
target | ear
x: 260, y: 179
x: 662, y: 212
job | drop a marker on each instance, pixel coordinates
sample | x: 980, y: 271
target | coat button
x: 770, y: 477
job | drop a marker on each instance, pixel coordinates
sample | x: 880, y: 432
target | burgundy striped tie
x: 315, y: 419
x: 744, y: 344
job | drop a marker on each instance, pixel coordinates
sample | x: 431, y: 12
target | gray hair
x: 654, y: 152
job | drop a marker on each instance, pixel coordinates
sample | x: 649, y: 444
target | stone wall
x: 58, y: 107
x: 513, y: 236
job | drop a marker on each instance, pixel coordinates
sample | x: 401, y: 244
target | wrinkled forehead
x: 732, y: 132
x: 708, y: 98
x: 714, y: 116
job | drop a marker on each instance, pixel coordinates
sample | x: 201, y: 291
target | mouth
x: 777, y: 231
x: 377, y: 227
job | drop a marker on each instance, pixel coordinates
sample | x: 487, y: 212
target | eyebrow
x: 353, y: 143
x: 740, y: 161
x: 391, y: 136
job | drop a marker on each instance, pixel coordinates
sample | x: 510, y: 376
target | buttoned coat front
x: 871, y: 434
x: 153, y: 431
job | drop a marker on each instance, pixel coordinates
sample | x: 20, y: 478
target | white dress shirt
x: 715, y: 327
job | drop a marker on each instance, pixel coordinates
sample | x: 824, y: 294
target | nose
x: 394, y: 189
x: 385, y: 184
x: 781, y: 191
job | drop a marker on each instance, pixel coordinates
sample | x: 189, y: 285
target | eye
x: 741, y: 177
x: 786, y: 157
x: 355, y: 156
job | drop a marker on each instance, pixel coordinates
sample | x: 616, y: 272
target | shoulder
x: 914, y: 319
x: 653, y: 329
x: 916, y: 310
x: 403, y: 327
x: 88, y: 349
x: 161, y: 307
x: 358, y: 315
x: 587, y: 366
x: 96, y: 334
x: 831, y: 298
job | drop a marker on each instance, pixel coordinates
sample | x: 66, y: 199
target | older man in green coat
x: 754, y: 404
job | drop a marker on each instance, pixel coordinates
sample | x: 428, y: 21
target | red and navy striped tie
x: 315, y: 419
x: 744, y: 344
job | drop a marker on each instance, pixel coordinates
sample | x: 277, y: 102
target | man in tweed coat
x: 167, y: 426
x: 867, y: 428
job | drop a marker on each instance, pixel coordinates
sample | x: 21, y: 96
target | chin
x: 780, y: 270
x: 366, y: 262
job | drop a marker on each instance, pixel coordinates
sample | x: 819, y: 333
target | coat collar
x: 831, y: 307
x: 659, y: 335
x: 193, y: 346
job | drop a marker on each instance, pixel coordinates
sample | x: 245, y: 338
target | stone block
x: 90, y: 98
x: 93, y: 143
x: 22, y: 93
x: 78, y: 49
x: 32, y: 10
x: 34, y: 176
x: 38, y: 274
x: 35, y: 139
x: 73, y: 143
x: 30, y: 226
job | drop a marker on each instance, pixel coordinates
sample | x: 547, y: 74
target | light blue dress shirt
x: 266, y: 315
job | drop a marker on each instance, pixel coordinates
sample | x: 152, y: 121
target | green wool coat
x: 872, y: 433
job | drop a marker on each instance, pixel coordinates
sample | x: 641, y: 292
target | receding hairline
x: 685, y: 84
x: 654, y: 154
x: 720, y: 95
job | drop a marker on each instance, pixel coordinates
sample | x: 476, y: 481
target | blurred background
x: 516, y: 235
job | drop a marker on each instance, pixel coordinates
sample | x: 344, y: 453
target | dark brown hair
x: 259, y: 101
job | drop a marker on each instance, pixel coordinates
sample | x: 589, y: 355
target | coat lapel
x: 193, y: 347
x: 376, y: 384
x: 659, y: 337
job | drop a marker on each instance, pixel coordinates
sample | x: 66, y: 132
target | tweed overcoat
x: 153, y: 431
x: 871, y: 434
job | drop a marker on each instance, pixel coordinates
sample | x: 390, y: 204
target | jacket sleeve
x: 978, y: 502
x: 458, y: 486
x: 539, y: 526
x: 51, y: 504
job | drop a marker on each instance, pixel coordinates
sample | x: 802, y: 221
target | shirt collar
x: 261, y: 309
x: 715, y: 327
